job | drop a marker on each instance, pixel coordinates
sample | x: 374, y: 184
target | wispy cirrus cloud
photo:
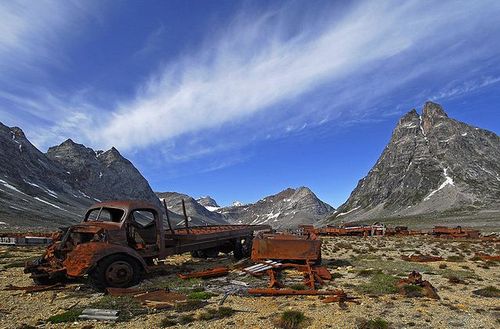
x: 259, y: 65
x: 265, y: 74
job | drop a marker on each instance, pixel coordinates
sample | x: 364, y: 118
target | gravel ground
x: 352, y: 258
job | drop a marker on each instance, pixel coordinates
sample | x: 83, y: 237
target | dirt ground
x: 364, y: 267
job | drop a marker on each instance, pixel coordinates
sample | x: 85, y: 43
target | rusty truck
x: 118, y: 242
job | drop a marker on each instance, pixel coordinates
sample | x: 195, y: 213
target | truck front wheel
x: 117, y: 271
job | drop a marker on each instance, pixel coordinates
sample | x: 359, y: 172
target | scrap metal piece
x: 99, y: 314
x: 284, y: 292
x: 415, y: 279
x: 210, y: 273
x: 340, y: 298
x: 56, y: 286
x: 421, y: 258
x: 486, y: 257
x: 124, y: 291
x: 286, y: 247
x: 258, y: 269
x: 455, y: 232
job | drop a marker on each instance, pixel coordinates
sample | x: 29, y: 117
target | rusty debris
x: 340, y: 298
x: 99, y: 314
x: 37, y: 288
x: 455, y: 232
x: 210, y: 273
x: 285, y: 292
x: 354, y: 230
x: 421, y: 258
x: 415, y: 279
x: 486, y: 257
x: 158, y: 298
x: 303, y: 248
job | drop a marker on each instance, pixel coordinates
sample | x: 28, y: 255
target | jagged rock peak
x: 17, y: 132
x: 432, y: 109
x: 207, y: 201
x: 409, y: 117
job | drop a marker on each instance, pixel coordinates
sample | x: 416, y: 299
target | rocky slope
x: 287, y: 209
x: 432, y: 165
x: 54, y: 189
x: 208, y: 203
x: 102, y: 175
x: 197, y: 214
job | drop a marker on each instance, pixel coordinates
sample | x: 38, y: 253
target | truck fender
x: 86, y: 256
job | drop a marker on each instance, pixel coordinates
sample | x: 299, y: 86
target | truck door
x: 143, y: 232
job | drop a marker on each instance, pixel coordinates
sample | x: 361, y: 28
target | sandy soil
x: 355, y: 260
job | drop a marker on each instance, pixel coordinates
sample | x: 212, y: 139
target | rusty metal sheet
x: 210, y: 273
x: 285, y: 247
x: 285, y: 292
x: 38, y: 288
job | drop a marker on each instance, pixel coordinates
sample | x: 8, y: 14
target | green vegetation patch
x: 377, y: 323
x: 127, y: 306
x: 488, y: 291
x: 190, y: 305
x: 455, y: 258
x: 200, y: 295
x: 68, y: 316
x: 393, y: 266
x: 291, y: 320
x: 215, y: 314
x: 298, y: 286
x: 379, y: 284
x: 411, y: 290
x: 170, y: 321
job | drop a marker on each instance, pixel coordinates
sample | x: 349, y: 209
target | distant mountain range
x: 286, y: 209
x: 433, y: 166
x: 54, y: 188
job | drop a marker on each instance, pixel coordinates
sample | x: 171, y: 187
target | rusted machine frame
x: 286, y: 247
x: 285, y: 292
x: 375, y: 229
x: 210, y: 273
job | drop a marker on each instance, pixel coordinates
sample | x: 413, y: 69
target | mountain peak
x: 18, y: 132
x: 207, y: 201
x: 433, y: 110
x: 452, y: 167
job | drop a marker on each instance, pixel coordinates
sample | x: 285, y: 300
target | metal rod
x: 185, y: 215
x: 168, y: 217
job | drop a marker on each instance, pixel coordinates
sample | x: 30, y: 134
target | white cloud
x: 256, y: 65
x: 264, y: 75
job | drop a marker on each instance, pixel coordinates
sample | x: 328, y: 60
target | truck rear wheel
x: 117, y: 271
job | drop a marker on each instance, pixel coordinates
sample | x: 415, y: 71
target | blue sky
x: 242, y: 99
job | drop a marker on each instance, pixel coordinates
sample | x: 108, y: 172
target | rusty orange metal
x: 415, y: 279
x: 376, y: 229
x: 486, y: 257
x: 284, y: 292
x: 455, y: 232
x: 210, y: 273
x: 286, y: 247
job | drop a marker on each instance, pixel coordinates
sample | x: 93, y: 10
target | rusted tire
x: 117, y: 271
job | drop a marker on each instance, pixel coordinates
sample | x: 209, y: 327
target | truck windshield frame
x: 114, y: 215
